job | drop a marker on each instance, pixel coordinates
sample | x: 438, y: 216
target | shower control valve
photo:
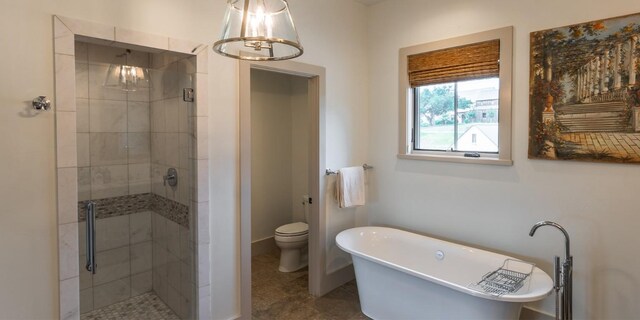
x: 171, y: 178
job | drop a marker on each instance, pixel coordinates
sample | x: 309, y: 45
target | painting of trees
x: 582, y: 82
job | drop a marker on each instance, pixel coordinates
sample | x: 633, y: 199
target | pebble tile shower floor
x: 146, y: 306
x: 285, y: 296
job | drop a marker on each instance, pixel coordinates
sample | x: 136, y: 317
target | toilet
x: 292, y: 240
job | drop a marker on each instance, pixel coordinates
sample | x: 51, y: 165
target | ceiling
x: 369, y: 2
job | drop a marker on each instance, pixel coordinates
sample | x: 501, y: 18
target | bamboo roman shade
x: 478, y: 60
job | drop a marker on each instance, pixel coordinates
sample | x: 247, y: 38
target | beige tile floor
x: 285, y: 296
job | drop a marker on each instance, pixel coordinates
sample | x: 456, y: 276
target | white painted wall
x: 299, y: 146
x: 29, y: 266
x: 279, y: 151
x: 333, y: 33
x: 271, y: 156
x: 494, y: 207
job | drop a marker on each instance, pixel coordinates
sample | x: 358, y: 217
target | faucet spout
x: 563, y: 277
x: 559, y: 227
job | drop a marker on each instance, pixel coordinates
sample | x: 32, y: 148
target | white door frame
x: 317, y: 235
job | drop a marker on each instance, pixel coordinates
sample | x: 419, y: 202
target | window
x: 445, y: 116
x: 455, y: 101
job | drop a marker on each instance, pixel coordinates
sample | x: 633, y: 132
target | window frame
x: 407, y: 100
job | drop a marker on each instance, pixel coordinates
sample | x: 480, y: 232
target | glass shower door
x: 135, y: 147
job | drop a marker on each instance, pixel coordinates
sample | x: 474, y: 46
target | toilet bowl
x: 292, y: 240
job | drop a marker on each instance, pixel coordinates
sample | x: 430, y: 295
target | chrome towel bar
x: 330, y: 172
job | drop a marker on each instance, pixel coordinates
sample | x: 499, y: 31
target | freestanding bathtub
x: 403, y: 275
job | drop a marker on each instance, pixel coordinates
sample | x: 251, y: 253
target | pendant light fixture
x: 126, y: 77
x: 259, y: 30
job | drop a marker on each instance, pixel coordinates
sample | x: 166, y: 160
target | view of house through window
x: 457, y: 116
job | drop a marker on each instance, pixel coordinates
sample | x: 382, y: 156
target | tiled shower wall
x: 172, y: 144
x: 173, y: 279
x: 123, y: 257
x: 114, y: 157
x: 143, y: 239
x: 114, y: 153
x: 171, y: 136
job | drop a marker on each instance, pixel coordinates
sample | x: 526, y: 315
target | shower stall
x: 135, y: 161
x: 132, y: 167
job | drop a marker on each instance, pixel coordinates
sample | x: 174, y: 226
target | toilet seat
x: 291, y: 239
x: 293, y: 229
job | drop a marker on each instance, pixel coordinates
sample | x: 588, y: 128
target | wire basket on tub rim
x: 510, y: 278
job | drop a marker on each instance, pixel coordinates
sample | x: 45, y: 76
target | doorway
x: 314, y: 76
x: 279, y: 161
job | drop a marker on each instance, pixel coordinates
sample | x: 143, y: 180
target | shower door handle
x: 91, y: 237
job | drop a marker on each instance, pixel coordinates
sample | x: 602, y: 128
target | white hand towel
x: 350, y: 187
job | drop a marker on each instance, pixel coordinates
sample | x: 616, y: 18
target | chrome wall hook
x: 41, y: 103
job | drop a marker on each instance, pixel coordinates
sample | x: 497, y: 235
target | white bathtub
x: 400, y: 276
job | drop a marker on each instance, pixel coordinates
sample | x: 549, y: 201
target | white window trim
x: 503, y: 157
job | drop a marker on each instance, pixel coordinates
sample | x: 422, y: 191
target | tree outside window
x: 447, y: 116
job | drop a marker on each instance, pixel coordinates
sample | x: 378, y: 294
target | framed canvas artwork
x: 584, y: 94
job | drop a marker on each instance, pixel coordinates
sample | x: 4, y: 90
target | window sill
x: 457, y: 159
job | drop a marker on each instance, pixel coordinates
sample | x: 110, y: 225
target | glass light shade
x: 127, y: 78
x: 259, y: 30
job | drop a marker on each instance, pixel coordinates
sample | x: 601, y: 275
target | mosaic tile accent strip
x: 125, y: 205
x: 172, y: 210
x: 116, y: 206
x: 143, y: 307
